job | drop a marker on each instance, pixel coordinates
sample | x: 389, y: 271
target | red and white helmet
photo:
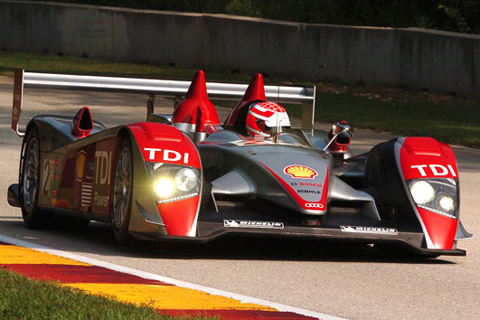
x: 265, y: 118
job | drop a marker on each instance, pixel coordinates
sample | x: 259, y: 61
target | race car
x: 185, y: 176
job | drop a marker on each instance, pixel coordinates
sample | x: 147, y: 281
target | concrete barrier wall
x: 437, y: 61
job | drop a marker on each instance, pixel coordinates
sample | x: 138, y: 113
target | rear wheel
x: 122, y: 191
x: 30, y: 182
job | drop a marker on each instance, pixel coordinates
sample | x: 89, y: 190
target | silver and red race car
x: 186, y: 176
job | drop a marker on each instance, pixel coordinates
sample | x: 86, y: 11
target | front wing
x: 212, y: 226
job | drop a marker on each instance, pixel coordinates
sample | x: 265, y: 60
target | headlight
x: 185, y: 179
x: 436, y: 195
x: 446, y: 203
x: 422, y: 192
x: 173, y: 182
x: 164, y: 187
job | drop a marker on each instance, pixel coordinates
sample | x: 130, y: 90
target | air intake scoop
x: 82, y: 123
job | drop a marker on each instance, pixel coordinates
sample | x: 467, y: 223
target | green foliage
x: 458, y: 15
x: 242, y: 8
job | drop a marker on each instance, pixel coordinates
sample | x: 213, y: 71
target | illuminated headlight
x: 446, y: 203
x: 164, y: 187
x: 173, y: 183
x: 422, y: 192
x: 436, y: 195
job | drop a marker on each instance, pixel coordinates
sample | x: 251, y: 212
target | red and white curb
x: 223, y: 303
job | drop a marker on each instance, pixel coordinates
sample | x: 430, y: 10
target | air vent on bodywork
x: 234, y: 184
x: 423, y: 146
x: 82, y: 123
x: 161, y: 132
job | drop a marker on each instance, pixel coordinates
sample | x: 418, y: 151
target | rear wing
x: 304, y: 95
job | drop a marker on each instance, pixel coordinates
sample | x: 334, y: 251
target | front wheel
x: 30, y: 182
x: 122, y: 191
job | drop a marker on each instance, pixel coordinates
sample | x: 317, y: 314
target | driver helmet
x: 265, y: 119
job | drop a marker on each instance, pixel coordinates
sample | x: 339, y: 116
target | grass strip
x: 24, y: 298
x: 404, y: 112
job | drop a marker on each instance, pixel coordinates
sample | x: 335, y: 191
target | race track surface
x: 343, y: 280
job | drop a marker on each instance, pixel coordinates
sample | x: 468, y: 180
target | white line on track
x: 178, y: 283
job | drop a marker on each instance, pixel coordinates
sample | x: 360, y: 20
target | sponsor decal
x: 372, y: 230
x: 103, y: 166
x: 78, y: 170
x: 91, y: 166
x: 306, y: 184
x: 315, y: 205
x: 16, y: 109
x: 249, y: 142
x: 80, y: 165
x: 167, y: 155
x: 299, y: 171
x: 437, y: 170
x: 252, y: 224
x: 310, y: 184
x: 86, y: 194
x: 309, y: 191
x: 101, y: 201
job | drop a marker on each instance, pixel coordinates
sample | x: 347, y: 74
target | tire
x: 33, y: 217
x: 122, y: 192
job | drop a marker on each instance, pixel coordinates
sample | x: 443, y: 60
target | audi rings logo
x: 314, y: 205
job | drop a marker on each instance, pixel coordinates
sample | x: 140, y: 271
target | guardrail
x: 304, y: 95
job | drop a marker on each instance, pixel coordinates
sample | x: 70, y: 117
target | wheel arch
x: 382, y: 178
x: 152, y: 142
x: 32, y: 125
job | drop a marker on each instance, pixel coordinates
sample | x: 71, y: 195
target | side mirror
x: 340, y: 135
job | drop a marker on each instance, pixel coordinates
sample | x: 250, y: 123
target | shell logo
x: 298, y: 171
x: 80, y: 164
